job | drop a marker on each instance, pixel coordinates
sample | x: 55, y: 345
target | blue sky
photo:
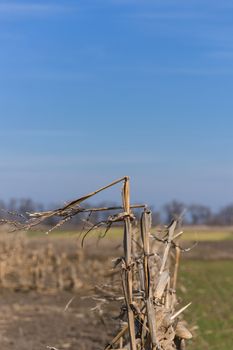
x: 94, y: 90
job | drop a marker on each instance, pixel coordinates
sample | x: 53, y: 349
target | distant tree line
x: 193, y: 214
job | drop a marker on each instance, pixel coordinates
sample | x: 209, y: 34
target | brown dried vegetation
x: 150, y: 314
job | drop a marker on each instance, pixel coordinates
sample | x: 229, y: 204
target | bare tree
x: 199, y: 214
x: 173, y: 210
x: 225, y: 215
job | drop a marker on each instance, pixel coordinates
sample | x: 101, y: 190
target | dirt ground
x: 62, y: 320
x: 36, y: 321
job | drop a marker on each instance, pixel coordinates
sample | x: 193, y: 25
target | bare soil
x: 35, y: 321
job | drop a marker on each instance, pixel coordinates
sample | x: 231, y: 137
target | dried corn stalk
x: 148, y: 271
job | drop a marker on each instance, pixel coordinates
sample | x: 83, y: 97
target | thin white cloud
x: 40, y: 132
x: 35, y: 162
x: 54, y: 76
x: 166, y: 15
x: 158, y: 70
x: 47, y: 75
x: 221, y: 54
x: 198, y: 71
x: 32, y: 9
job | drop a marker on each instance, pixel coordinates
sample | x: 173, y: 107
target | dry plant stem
x: 127, y: 275
x: 72, y: 204
x: 117, y: 337
x: 143, y: 335
x: 175, y: 274
x: 176, y: 268
x: 134, y: 251
x: 161, y: 285
x: 145, y: 242
x: 77, y: 201
x: 168, y: 300
x: 72, y: 208
x: 180, y: 311
x: 134, y: 206
x: 121, y: 342
x: 145, y: 233
x: 168, y: 245
x: 141, y: 276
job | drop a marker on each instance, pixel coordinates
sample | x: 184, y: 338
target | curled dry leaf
x: 182, y: 332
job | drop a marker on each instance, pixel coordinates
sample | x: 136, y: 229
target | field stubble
x: 38, y: 316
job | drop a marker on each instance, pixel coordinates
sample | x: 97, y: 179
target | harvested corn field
x: 35, y: 319
x: 150, y: 314
x: 128, y: 293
